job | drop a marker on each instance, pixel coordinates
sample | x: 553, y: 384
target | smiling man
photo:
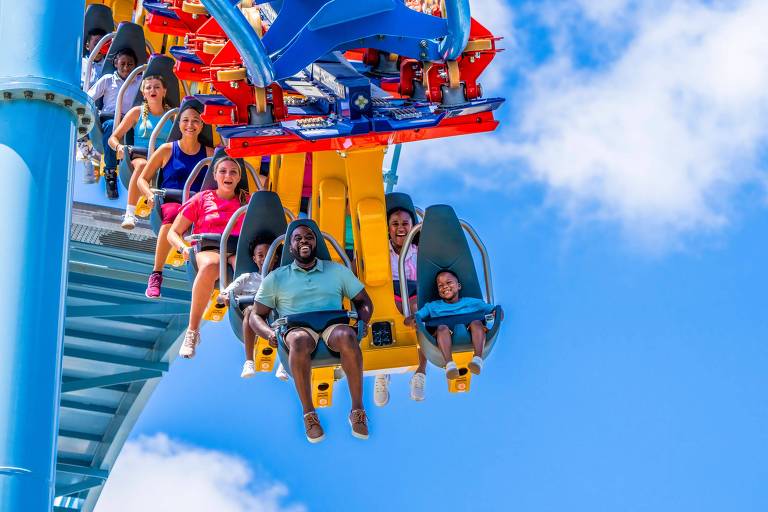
x: 307, y: 285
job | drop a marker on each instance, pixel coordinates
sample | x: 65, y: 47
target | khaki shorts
x: 325, y: 335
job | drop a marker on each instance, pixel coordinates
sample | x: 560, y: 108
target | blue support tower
x: 41, y: 110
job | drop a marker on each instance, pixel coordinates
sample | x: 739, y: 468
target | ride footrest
x: 381, y: 334
x: 216, y: 310
x: 264, y: 356
x: 322, y: 386
x: 461, y: 384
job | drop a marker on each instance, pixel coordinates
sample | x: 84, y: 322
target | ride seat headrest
x: 322, y: 248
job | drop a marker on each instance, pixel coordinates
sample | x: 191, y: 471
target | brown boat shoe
x: 313, y: 428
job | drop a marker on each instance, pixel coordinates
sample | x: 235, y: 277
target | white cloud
x: 660, y: 140
x: 160, y: 474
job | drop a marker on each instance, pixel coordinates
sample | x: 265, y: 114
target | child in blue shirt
x: 448, y: 287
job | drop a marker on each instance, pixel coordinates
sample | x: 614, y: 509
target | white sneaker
x: 381, y: 390
x: 248, y: 370
x: 191, y: 340
x: 281, y: 373
x: 129, y: 221
x: 417, y: 386
x: 451, y: 370
x: 476, y: 365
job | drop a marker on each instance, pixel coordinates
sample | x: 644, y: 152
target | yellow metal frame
x: 263, y: 355
x: 329, y: 195
x: 462, y: 383
x: 322, y: 386
x: 215, y: 312
x: 286, y: 177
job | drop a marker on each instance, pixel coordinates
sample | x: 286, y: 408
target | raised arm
x: 128, y: 122
x: 158, y: 159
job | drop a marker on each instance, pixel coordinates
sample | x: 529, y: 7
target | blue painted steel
x: 39, y: 40
x: 390, y: 177
x: 459, y: 23
x: 386, y: 25
x: 246, y: 41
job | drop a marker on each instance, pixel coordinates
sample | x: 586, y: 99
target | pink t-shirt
x: 209, y: 213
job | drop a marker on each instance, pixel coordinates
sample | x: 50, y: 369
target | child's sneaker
x: 281, y: 373
x: 191, y: 340
x: 476, y: 365
x: 381, y: 390
x: 129, y: 221
x: 451, y: 370
x: 154, y: 284
x: 248, y: 370
x: 417, y: 386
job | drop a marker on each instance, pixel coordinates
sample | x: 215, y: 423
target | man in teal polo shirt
x: 306, y: 285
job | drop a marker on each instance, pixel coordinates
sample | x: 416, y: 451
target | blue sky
x: 623, y: 204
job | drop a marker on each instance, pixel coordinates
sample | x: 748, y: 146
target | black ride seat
x: 205, y: 138
x: 444, y: 247
x: 264, y: 220
x: 158, y: 65
x: 98, y: 16
x: 316, y: 320
x: 128, y: 35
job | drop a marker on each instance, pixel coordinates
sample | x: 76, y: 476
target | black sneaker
x: 110, y: 178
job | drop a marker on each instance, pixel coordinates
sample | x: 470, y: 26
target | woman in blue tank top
x: 175, y: 161
x: 142, y: 120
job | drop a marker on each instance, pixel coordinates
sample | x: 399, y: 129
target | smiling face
x: 153, y: 90
x: 448, y: 287
x: 400, y: 224
x: 227, y: 176
x: 303, y: 245
x: 260, y: 254
x: 190, y: 124
x: 124, y: 64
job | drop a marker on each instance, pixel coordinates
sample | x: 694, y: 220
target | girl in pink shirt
x: 209, y: 212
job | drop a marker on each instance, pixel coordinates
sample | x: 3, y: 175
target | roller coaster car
x: 158, y: 65
x: 128, y: 35
x: 324, y: 360
x: 443, y: 246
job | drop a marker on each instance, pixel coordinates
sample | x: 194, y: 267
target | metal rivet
x: 28, y: 94
x: 49, y: 96
x: 423, y: 55
x: 68, y: 103
x: 83, y: 130
x: 423, y: 43
x: 7, y: 95
x: 80, y: 111
x: 245, y: 144
x: 86, y: 120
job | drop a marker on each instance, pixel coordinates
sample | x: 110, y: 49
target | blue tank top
x: 143, y: 131
x: 179, y: 167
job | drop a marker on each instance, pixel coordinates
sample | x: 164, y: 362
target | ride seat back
x: 128, y: 35
x: 98, y: 16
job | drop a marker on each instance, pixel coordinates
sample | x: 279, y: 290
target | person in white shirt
x: 91, y: 40
x: 243, y: 286
x: 107, y: 87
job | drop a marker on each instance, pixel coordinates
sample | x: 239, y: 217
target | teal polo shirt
x: 290, y: 289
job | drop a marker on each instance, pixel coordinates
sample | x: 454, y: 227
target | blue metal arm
x: 459, y: 23
x: 247, y: 42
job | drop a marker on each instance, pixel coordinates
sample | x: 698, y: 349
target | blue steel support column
x: 40, y: 55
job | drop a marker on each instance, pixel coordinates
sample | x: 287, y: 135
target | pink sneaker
x: 153, y: 285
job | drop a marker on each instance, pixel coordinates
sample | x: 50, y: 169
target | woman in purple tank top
x: 177, y: 159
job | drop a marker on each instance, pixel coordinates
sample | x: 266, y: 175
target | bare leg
x: 202, y: 288
x: 300, y: 346
x: 249, y: 336
x: 444, y: 342
x: 477, y: 330
x: 133, y: 188
x: 344, y: 341
x: 162, y: 248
